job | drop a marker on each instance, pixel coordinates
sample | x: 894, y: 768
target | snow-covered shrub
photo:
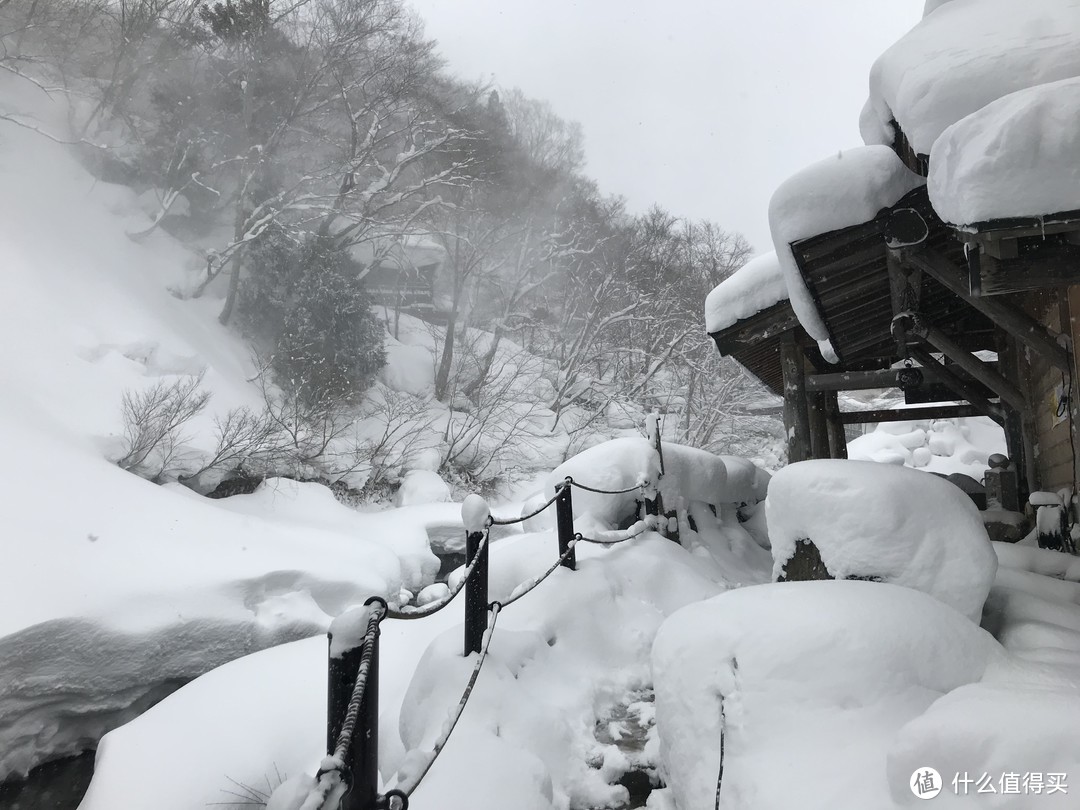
x: 154, y: 420
x: 885, y: 522
x: 306, y: 303
x: 813, y: 680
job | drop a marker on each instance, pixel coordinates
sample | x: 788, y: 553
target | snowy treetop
x: 1016, y: 157
x: 847, y: 189
x: 756, y: 286
x: 963, y: 55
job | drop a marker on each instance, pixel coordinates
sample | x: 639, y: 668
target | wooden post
x: 362, y: 757
x: 819, y: 425
x: 476, y: 515
x: 564, y: 518
x: 835, y: 426
x: 796, y: 417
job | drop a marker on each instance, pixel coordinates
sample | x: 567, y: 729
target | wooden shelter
x: 903, y: 309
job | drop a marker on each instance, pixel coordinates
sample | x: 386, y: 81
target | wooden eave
x: 915, y: 161
x: 754, y: 342
x: 846, y: 273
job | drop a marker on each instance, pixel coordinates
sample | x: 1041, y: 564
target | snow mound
x: 560, y: 658
x: 964, y: 55
x: 422, y: 486
x: 817, y: 676
x: 944, y: 446
x: 689, y: 475
x: 877, y: 520
x: 954, y: 732
x: 756, y: 286
x: 614, y: 465
x: 1016, y: 157
x: 846, y: 189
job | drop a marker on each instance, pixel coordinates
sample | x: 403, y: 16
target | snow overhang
x: 963, y: 55
x: 842, y: 191
x: 754, y: 287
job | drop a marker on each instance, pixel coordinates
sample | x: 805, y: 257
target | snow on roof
x: 754, y: 287
x: 847, y: 189
x: 963, y: 55
x: 1016, y: 157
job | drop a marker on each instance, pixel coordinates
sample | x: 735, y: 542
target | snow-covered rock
x: 944, y: 446
x: 1015, y: 157
x: 846, y: 189
x: 422, y: 486
x: 756, y: 286
x: 813, y: 679
x: 899, y: 525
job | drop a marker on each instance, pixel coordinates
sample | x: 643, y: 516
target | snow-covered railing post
x: 655, y: 504
x: 476, y: 516
x: 564, y: 518
x: 356, y: 727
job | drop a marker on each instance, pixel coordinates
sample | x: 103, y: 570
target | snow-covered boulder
x: 422, y: 486
x: 943, y: 446
x: 810, y: 682
x: 409, y: 369
x: 886, y: 522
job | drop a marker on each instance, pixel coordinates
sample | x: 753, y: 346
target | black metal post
x: 362, y: 757
x: 476, y: 593
x: 564, y: 517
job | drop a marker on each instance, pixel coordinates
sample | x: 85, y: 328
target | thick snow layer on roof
x: 754, y: 287
x: 965, y: 54
x: 1017, y: 156
x: 846, y: 189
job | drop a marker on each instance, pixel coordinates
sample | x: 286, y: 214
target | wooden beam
x: 852, y: 380
x: 1008, y: 392
x: 1019, y: 324
x: 963, y: 388
x: 1050, y: 266
x: 906, y: 414
x: 796, y: 419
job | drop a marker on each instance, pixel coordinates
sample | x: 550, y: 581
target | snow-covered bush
x: 304, y: 301
x: 154, y: 420
x: 884, y: 522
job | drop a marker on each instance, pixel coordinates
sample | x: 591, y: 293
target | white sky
x: 702, y: 106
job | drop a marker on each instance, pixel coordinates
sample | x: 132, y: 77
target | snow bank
x: 689, y: 475
x: 813, y: 679
x: 756, y: 286
x: 944, y: 446
x: 561, y: 658
x: 994, y: 729
x: 1016, y: 157
x: 877, y: 520
x: 964, y: 55
x: 846, y: 189
x: 613, y: 465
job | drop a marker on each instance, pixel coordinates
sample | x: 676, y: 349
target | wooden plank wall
x: 1054, y: 453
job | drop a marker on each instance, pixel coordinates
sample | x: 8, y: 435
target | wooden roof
x: 847, y: 275
x: 754, y: 342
